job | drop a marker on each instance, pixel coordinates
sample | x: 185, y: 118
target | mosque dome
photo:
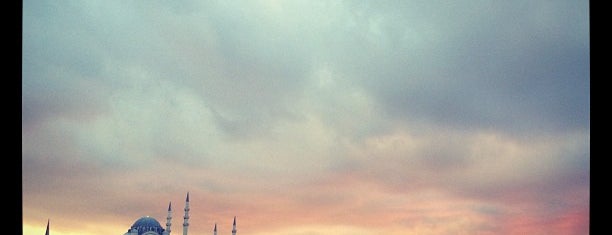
x: 147, y: 224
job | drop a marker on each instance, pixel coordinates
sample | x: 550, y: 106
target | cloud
x: 469, y: 161
x: 483, y: 66
x: 293, y: 114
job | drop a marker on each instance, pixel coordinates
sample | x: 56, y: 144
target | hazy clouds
x: 293, y: 114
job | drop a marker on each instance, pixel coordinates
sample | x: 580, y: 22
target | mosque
x: 149, y: 226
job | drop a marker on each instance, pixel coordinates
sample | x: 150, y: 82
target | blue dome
x: 146, y: 224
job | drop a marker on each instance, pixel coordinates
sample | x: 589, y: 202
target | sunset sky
x: 307, y: 117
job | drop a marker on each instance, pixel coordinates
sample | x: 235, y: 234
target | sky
x: 307, y: 117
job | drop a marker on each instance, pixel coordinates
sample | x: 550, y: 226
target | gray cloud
x: 473, y: 66
x: 475, y: 99
x: 465, y: 66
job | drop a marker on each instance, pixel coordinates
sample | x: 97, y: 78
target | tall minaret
x: 186, y: 223
x: 168, y: 219
x: 215, y: 230
x: 47, y: 232
x: 234, y: 228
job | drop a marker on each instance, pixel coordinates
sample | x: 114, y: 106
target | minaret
x: 47, y: 232
x: 234, y: 228
x: 215, y: 230
x: 186, y: 223
x: 168, y: 219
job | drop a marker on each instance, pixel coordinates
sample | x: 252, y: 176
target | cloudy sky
x: 307, y: 117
